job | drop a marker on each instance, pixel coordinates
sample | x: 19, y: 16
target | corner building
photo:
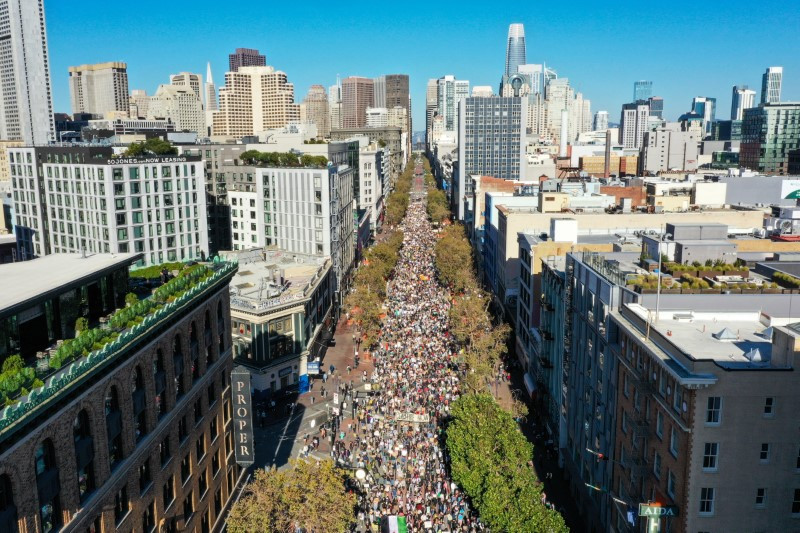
x: 136, y: 436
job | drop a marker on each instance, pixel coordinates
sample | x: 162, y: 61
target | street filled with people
x: 395, y: 439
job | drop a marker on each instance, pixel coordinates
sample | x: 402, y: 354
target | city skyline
x: 476, y: 50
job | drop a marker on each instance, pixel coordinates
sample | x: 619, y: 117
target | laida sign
x: 242, y: 416
x: 658, y: 511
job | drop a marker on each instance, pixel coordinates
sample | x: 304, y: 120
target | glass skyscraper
x: 515, y: 51
x: 642, y: 90
x: 769, y: 132
x: 771, y: 85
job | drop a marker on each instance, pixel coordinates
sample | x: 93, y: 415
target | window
x: 149, y: 518
x: 714, y: 410
x: 659, y: 424
x: 707, y: 501
x: 796, y: 502
x: 139, y: 404
x: 8, y: 511
x: 671, y: 482
x: 764, y: 455
x: 710, y: 452
x: 164, y: 452
x: 183, y: 432
x: 145, y: 476
x: 673, y: 442
x: 186, y: 468
x: 47, y: 484
x: 113, y: 427
x: 121, y: 505
x: 188, y: 507
x: 769, y: 407
x: 215, y: 463
x: 761, y: 498
x: 657, y: 464
x: 201, y: 447
x: 84, y: 454
x: 169, y: 492
x: 202, y: 483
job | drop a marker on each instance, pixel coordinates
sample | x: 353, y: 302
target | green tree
x: 81, y: 324
x: 131, y: 299
x: 308, y: 497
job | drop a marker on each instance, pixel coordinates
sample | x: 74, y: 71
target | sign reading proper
x: 242, y: 416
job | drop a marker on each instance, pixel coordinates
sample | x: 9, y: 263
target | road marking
x: 283, y: 435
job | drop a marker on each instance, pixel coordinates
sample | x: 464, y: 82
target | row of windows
x: 708, y: 496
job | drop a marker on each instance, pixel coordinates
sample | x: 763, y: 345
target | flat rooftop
x: 25, y: 281
x: 724, y: 337
x: 269, y: 278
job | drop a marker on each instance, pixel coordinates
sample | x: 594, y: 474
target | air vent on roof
x: 725, y: 335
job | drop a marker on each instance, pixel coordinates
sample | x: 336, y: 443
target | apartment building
x: 99, y: 89
x: 82, y: 199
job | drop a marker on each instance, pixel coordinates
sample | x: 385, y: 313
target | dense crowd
x: 397, y: 431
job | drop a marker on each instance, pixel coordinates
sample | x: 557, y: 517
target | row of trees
x: 152, y: 146
x: 283, y: 159
x: 490, y: 459
x: 397, y: 202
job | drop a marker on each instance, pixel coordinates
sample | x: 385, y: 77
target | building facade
x: 315, y: 110
x: 741, y: 98
x: 81, y: 199
x: 194, y: 81
x: 181, y: 104
x: 771, y: 82
x: 100, y: 88
x: 668, y: 148
x: 245, y: 57
x: 26, y: 112
x: 633, y: 124
x: 357, y: 96
x: 642, y: 90
x: 136, y: 436
x: 769, y: 133
x: 515, y: 48
x: 450, y: 93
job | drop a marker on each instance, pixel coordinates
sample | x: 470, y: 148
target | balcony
x: 96, y: 352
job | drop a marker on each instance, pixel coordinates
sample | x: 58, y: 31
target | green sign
x: 657, y: 511
x: 794, y: 195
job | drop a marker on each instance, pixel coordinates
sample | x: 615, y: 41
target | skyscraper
x: 515, y: 49
x: 706, y: 107
x: 769, y: 133
x: 642, y: 90
x: 451, y: 92
x: 379, y: 91
x: 534, y: 72
x: 741, y: 99
x: 335, y: 104
x: 601, y: 121
x: 245, y: 57
x: 210, y: 92
x: 656, y: 106
x: 194, y: 81
x: 315, y: 110
x: 633, y: 124
x: 99, y: 89
x: 26, y: 107
x: 397, y: 94
x: 771, y: 85
x: 357, y: 96
x: 431, y: 99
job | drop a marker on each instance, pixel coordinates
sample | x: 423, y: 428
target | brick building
x: 134, y: 436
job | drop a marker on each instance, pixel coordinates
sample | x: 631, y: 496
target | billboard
x: 790, y: 189
x: 242, y: 416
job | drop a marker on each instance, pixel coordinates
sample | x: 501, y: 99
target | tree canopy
x: 283, y: 159
x: 490, y: 459
x: 152, y: 146
x: 307, y: 497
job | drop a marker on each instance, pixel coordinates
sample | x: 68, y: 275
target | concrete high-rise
x: 335, y: 104
x: 600, y: 121
x: 668, y: 148
x: 253, y: 100
x: 100, y: 88
x: 357, y: 96
x: 642, y: 90
x: 397, y: 94
x: 705, y: 107
x: 138, y: 104
x: 379, y: 91
x: 451, y: 92
x: 193, y: 81
x: 26, y: 106
x: 315, y: 110
x: 245, y: 57
x: 741, y: 99
x: 633, y: 124
x: 656, y: 107
x: 180, y: 104
x: 534, y: 73
x: 515, y: 48
x: 431, y: 98
x: 771, y: 85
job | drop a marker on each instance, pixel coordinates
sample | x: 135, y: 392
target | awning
x: 529, y: 384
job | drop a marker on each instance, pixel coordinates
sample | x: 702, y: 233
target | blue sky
x: 686, y: 48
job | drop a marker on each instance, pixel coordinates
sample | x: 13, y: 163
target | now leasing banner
x: 242, y: 416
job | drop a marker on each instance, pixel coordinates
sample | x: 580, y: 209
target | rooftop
x: 730, y: 339
x: 24, y: 281
x: 269, y: 278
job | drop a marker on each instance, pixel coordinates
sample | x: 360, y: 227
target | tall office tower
x: 642, y: 90
x: 561, y: 96
x: 741, y: 99
x: 357, y: 96
x: 315, y: 110
x: 26, y: 108
x: 210, y: 92
x: 769, y: 133
x: 180, y: 104
x: 397, y: 94
x: 633, y: 124
x: 121, y: 214
x: 771, y: 82
x: 668, y: 148
x: 377, y: 117
x: 431, y: 97
x: 379, y: 91
x: 705, y: 107
x: 99, y: 89
x: 335, y: 104
x: 534, y: 74
x: 253, y: 100
x: 451, y: 92
x: 193, y: 81
x: 515, y: 48
x: 656, y: 107
x: 601, y: 121
x: 548, y: 75
x: 138, y: 104
x: 491, y: 142
x: 245, y: 57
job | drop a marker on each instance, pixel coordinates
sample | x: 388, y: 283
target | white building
x: 87, y: 200
x: 377, y: 117
x: 771, y: 82
x: 451, y: 92
x: 195, y: 81
x: 633, y: 124
x: 181, y: 105
x: 379, y: 91
x: 397, y: 117
x: 99, y: 89
x: 741, y: 99
x: 335, y: 105
x: 669, y: 148
x: 374, y: 180
x: 600, y: 121
x: 26, y: 106
x: 482, y: 91
x: 138, y: 104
